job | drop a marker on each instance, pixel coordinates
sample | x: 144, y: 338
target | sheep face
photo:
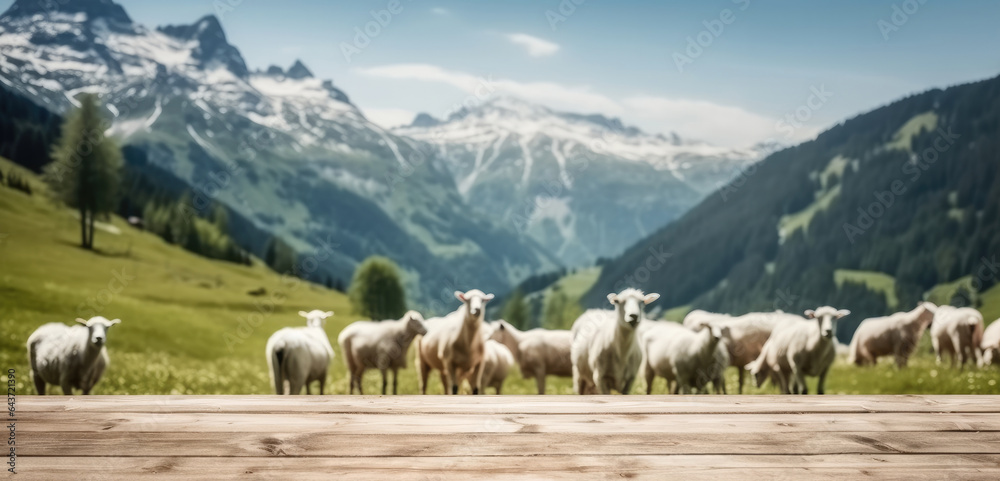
x: 475, y: 301
x: 757, y: 370
x: 316, y: 318
x: 415, y: 323
x: 827, y: 318
x: 990, y: 355
x: 629, y: 305
x: 98, y: 327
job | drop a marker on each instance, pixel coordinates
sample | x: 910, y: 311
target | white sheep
x: 605, y: 351
x: 687, y: 359
x: 72, y: 357
x: 896, y: 335
x: 958, y: 333
x: 454, y: 344
x: 539, y: 352
x: 746, y: 335
x: 797, y: 350
x: 497, y: 361
x: 379, y: 345
x: 991, y: 344
x: 297, y: 356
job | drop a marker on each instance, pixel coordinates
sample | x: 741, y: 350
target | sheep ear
x: 810, y: 314
x: 843, y: 312
x: 115, y: 321
x: 304, y: 314
x: 613, y: 298
x: 650, y: 298
x: 929, y: 306
x: 329, y: 313
x: 460, y: 296
x: 81, y: 321
x: 488, y: 298
x: 502, y: 328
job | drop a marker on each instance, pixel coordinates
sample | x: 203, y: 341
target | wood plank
x: 146, y: 444
x: 902, y: 467
x: 514, y: 404
x: 500, y: 423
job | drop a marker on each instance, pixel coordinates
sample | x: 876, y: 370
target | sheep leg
x: 628, y: 385
x: 937, y: 349
x: 650, y: 376
x: 821, y: 384
x: 800, y: 379
x: 423, y: 370
x: 740, y: 373
x: 39, y: 383
x: 578, y: 385
x: 782, y: 382
x: 395, y: 377
x: 540, y: 383
x: 385, y: 380
x: 308, y: 392
x: 477, y: 375
x: 322, y: 383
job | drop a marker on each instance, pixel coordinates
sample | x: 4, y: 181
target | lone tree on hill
x: 86, y: 168
x: 376, y: 290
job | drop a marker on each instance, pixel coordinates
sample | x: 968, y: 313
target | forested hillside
x: 870, y: 216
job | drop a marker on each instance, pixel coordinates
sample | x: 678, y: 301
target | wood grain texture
x: 513, y: 437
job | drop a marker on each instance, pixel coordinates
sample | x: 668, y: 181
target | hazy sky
x: 621, y: 57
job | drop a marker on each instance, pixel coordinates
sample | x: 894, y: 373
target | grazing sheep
x: 746, y: 335
x: 72, y: 357
x: 605, y: 351
x: 379, y: 345
x: 687, y: 359
x: 300, y: 355
x: 896, y: 335
x: 497, y: 361
x: 539, y: 352
x: 798, y: 350
x: 991, y: 344
x: 957, y: 332
x: 454, y: 344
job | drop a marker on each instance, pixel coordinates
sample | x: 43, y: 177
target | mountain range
x: 485, y: 197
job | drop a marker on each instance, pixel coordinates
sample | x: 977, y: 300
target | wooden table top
x: 508, y: 437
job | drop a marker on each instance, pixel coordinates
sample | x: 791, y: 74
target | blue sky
x: 621, y: 57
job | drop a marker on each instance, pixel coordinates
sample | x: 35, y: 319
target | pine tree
x: 376, y: 290
x: 86, y: 167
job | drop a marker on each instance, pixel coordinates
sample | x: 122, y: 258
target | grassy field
x: 874, y: 281
x: 190, y: 326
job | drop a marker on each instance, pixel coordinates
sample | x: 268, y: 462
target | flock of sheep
x: 603, y: 352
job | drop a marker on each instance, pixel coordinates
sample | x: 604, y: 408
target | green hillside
x: 880, y: 211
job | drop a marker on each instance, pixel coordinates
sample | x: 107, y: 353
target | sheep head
x: 98, y: 327
x: 758, y: 370
x: 827, y: 318
x: 475, y: 302
x: 415, y: 323
x: 629, y: 305
x: 316, y: 317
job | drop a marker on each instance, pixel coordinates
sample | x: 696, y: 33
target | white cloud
x: 389, y: 118
x: 701, y: 120
x: 441, y: 11
x: 535, y: 46
x: 722, y: 125
x: 550, y: 94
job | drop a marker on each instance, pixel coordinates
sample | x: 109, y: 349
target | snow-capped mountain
x: 584, y: 186
x: 282, y: 148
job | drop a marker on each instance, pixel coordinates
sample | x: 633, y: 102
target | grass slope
x: 875, y: 281
x: 189, y: 325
